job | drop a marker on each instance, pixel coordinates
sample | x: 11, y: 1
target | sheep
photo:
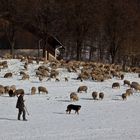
x: 126, y: 82
x: 2, y: 90
x: 54, y: 73
x: 83, y: 75
x: 49, y: 79
x: 42, y: 72
x: 37, y: 61
x: 42, y: 89
x: 122, y: 76
x: 116, y: 84
x: 80, y: 78
x: 115, y: 74
x: 53, y: 65
x: 7, y: 88
x: 99, y: 78
x: 57, y: 80
x: 43, y: 68
x: 124, y: 96
x: 8, y: 75
x: 33, y: 90
x: 13, y: 87
x: 135, y: 85
x: 40, y: 78
x: 22, y: 73
x: 101, y: 95
x: 26, y: 66
x: 129, y: 92
x: 94, y: 95
x: 16, y: 92
x: 25, y: 76
x: 4, y: 64
x: 71, y: 69
x: 82, y: 88
x: 74, y: 97
x: 30, y: 61
x: 38, y: 73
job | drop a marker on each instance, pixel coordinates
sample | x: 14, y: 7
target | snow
x: 107, y: 119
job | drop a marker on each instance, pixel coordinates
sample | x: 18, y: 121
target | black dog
x: 73, y: 107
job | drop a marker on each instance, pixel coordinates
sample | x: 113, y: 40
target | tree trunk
x: 39, y: 46
x: 100, y: 54
x: 12, y: 43
x: 78, y: 51
x: 44, y: 48
x: 112, y: 58
x: 44, y: 51
x: 12, y: 50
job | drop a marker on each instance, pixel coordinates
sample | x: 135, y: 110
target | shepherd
x: 21, y: 107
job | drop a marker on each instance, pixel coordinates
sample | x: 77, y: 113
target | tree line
x: 100, y: 30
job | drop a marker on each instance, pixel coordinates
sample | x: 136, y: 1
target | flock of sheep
x: 97, y: 72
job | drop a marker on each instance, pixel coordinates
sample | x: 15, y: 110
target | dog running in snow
x: 73, y: 107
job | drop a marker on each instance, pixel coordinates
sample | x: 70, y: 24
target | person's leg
x: 24, y: 114
x: 19, y: 113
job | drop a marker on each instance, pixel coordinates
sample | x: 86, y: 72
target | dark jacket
x: 20, y: 102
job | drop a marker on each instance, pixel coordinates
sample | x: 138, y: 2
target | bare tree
x: 81, y: 25
x: 118, y: 26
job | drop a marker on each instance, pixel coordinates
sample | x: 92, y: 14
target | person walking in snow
x: 21, y: 107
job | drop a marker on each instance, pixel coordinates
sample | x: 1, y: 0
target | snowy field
x: 107, y: 119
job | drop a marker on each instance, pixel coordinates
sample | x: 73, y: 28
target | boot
x: 18, y: 116
x: 24, y: 119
